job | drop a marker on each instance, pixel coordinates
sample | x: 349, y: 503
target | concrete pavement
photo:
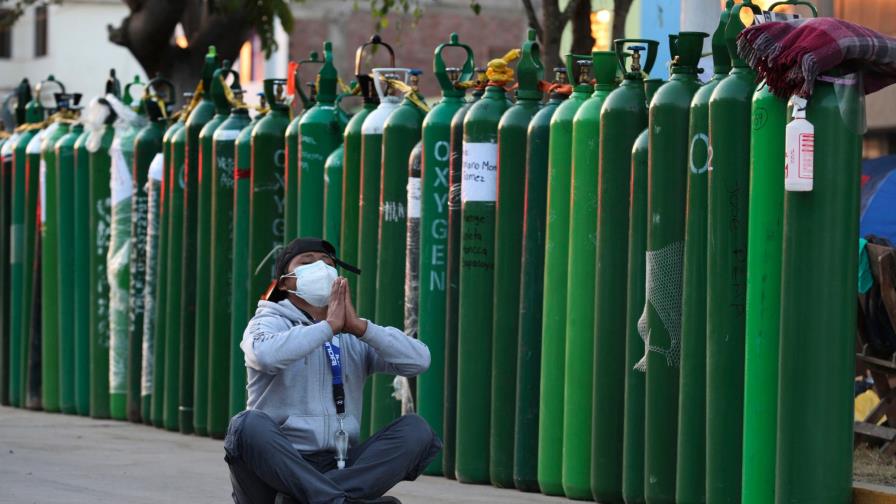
x: 49, y: 458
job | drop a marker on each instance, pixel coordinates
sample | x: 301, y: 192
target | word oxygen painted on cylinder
x: 438, y: 230
x: 278, y: 226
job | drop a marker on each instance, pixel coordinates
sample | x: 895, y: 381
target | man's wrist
x: 359, y: 327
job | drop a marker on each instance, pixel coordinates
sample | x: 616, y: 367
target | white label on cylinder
x: 479, y: 171
x: 42, y: 174
x: 120, y: 184
x: 800, y: 155
x: 413, y: 197
x: 35, y: 143
x: 156, y: 167
x: 226, y: 135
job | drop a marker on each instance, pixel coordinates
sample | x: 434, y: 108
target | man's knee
x: 416, y: 432
x: 247, y: 428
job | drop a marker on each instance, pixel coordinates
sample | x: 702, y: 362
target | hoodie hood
x: 283, y: 308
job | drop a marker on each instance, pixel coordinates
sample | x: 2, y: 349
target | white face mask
x: 314, y: 282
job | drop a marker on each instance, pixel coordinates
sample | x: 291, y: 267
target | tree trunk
x: 620, y: 13
x: 582, y: 41
x: 552, y: 30
x: 147, y: 33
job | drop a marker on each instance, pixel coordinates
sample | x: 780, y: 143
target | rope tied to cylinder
x: 498, y: 70
x: 409, y: 92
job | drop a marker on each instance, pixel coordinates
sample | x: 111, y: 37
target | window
x: 40, y: 31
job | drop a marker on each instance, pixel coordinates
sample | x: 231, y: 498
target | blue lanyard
x: 335, y: 359
x: 333, y: 353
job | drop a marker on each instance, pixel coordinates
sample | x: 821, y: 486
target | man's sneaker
x: 382, y: 500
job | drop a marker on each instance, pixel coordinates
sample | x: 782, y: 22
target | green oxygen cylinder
x: 159, y: 313
x: 13, y: 347
x: 622, y: 118
x: 690, y: 478
x: 762, y: 327
x: 556, y: 254
x: 195, y: 196
x: 528, y: 379
x: 99, y: 222
x: 578, y: 379
x: 818, y: 298
x: 667, y: 195
x: 351, y: 169
x: 240, y: 303
x: 221, y: 286
x: 633, y: 435
x: 31, y: 315
x: 80, y: 276
x: 476, y: 288
x: 209, y: 366
x: 320, y: 131
x: 728, y: 186
x: 118, y: 270
x: 291, y: 151
x: 174, y: 178
x: 452, y: 280
x: 509, y: 202
x: 433, y: 235
x: 65, y: 219
x: 30, y: 111
x: 763, y: 302
x: 49, y: 229
x: 368, y: 218
x: 401, y: 131
x: 146, y: 175
x: 5, y: 206
x: 332, y: 209
x: 266, y: 191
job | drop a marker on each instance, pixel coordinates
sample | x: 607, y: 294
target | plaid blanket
x: 791, y: 55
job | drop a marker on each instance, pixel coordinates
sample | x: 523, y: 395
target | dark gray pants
x: 263, y: 462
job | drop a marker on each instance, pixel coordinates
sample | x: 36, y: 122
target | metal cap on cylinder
x: 604, y: 66
x: 529, y: 70
x: 327, y: 78
x: 686, y: 49
x: 721, y: 60
x: 365, y: 80
x: 448, y: 77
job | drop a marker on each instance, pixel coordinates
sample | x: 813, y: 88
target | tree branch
x: 533, y: 18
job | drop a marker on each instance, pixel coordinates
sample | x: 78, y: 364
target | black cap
x: 309, y: 244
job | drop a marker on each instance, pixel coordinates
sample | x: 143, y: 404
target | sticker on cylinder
x: 42, y: 180
x: 479, y: 171
x: 120, y: 183
x: 413, y: 197
x: 799, y: 150
x: 157, y: 167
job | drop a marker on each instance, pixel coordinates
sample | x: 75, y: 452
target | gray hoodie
x: 290, y: 377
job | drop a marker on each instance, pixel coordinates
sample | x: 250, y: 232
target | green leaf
x: 281, y: 8
x: 476, y: 7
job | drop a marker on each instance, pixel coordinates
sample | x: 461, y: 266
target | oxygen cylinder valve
x: 560, y: 76
x: 453, y: 74
x: 414, y: 78
x: 636, y: 57
x: 584, y: 71
x: 481, y: 77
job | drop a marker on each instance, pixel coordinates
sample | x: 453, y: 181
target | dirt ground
x: 871, y: 466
